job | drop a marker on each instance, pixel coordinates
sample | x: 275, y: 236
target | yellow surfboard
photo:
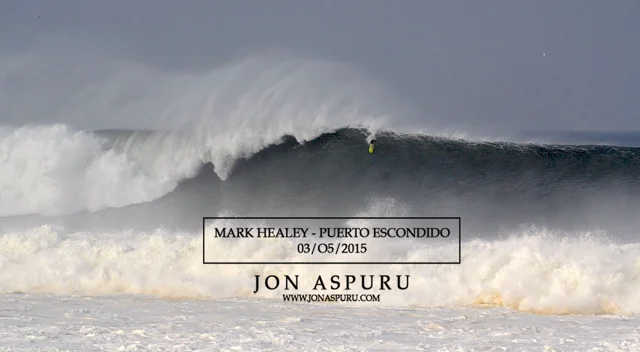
x: 372, y: 146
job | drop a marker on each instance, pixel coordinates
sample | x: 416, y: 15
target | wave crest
x: 215, y: 116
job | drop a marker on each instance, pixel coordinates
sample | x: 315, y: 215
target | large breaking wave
x: 215, y: 116
x: 107, y: 197
x: 55, y: 171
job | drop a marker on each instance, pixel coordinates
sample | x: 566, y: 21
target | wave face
x: 53, y: 171
x: 491, y: 184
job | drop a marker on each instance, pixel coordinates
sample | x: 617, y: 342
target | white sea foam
x: 534, y: 270
x: 63, y: 323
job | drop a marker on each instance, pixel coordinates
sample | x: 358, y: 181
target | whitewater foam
x: 53, y: 170
x: 537, y: 270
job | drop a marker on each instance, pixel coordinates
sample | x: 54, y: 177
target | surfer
x: 372, y: 146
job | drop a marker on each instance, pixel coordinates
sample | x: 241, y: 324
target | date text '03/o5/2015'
x: 332, y: 240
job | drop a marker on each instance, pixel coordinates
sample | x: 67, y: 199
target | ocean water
x: 101, y: 227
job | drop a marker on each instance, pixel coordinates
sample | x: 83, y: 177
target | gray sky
x: 475, y: 63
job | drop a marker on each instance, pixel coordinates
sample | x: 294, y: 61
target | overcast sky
x: 519, y: 65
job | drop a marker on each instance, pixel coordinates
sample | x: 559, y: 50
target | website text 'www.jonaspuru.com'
x: 336, y: 297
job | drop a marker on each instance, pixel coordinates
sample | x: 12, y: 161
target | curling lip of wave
x: 216, y: 117
x: 54, y: 170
